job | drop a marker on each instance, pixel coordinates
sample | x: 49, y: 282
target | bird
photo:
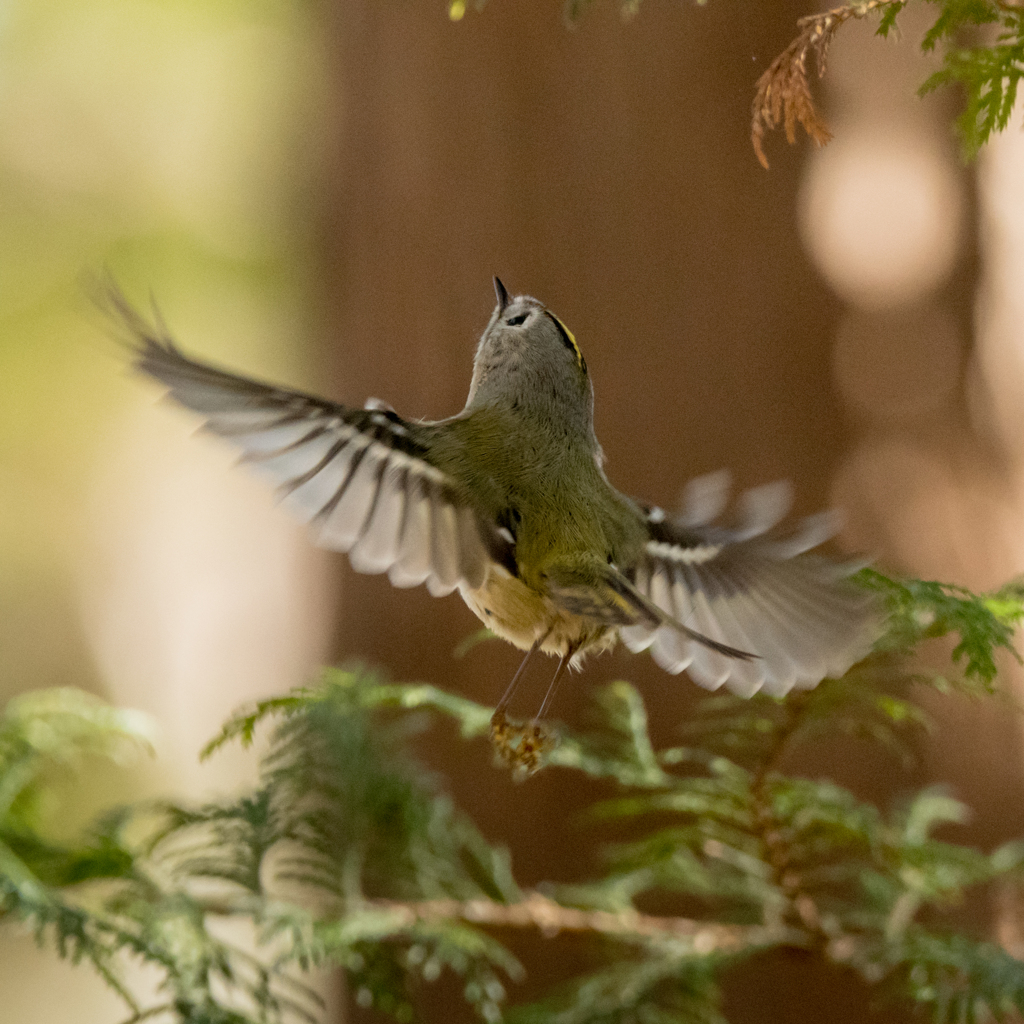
x: 508, y: 503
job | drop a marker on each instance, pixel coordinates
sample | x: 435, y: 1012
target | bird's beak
x: 502, y: 295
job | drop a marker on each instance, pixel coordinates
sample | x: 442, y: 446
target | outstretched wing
x: 362, y: 478
x: 601, y: 592
x: 795, y: 611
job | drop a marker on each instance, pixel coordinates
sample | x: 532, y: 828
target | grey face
x: 527, y: 356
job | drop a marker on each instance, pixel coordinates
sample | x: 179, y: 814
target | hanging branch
x: 988, y: 74
x: 782, y: 94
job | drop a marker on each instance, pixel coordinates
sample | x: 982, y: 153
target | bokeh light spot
x: 881, y: 217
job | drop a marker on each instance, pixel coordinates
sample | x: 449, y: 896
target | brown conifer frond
x: 783, y: 93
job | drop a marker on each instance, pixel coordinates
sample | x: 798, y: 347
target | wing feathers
x: 444, y: 553
x: 704, y: 498
x: 700, y: 596
x: 473, y: 557
x: 342, y: 520
x: 361, y: 477
x: 308, y: 495
x: 745, y: 590
x: 377, y: 549
x: 412, y: 566
x: 764, y: 507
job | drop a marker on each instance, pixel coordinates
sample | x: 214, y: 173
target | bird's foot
x: 522, y: 746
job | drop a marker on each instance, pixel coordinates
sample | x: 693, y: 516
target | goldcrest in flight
x: 508, y: 503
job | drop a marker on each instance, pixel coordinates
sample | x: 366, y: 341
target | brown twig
x: 549, y: 918
x: 782, y: 94
x: 801, y: 912
x: 539, y: 912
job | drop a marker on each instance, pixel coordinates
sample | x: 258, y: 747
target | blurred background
x: 319, y: 194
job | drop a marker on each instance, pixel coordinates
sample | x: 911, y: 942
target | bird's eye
x: 515, y: 321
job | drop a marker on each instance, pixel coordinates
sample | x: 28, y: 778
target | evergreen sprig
x: 103, y: 900
x: 983, y: 623
x: 989, y: 71
x: 348, y: 853
x: 989, y: 74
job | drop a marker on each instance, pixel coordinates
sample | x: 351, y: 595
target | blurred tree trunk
x: 606, y: 170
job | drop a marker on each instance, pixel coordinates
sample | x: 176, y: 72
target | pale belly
x: 522, y: 616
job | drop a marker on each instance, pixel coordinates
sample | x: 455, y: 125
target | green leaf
x: 659, y: 990
x: 888, y: 20
x: 955, y: 15
x: 619, y: 746
x: 920, y: 609
x: 959, y: 978
x: 242, y: 725
x: 1008, y: 857
x: 465, y: 645
x: 930, y: 808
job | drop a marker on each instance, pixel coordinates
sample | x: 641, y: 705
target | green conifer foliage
x: 982, y: 47
x: 349, y: 853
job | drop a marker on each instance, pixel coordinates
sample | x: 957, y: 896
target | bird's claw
x: 522, y: 745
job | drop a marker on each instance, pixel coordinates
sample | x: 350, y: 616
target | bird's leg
x: 562, y: 664
x: 506, y: 699
x: 504, y: 702
x: 519, y: 744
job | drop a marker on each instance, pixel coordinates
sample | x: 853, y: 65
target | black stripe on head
x: 568, y: 340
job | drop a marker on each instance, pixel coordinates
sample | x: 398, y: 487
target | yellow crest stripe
x: 570, y: 336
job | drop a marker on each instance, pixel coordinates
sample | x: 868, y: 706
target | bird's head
x: 528, y: 358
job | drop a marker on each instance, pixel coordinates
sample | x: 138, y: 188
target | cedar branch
x: 539, y: 912
x: 550, y: 918
x: 782, y: 94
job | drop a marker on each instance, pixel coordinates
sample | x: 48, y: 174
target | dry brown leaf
x: 782, y: 95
